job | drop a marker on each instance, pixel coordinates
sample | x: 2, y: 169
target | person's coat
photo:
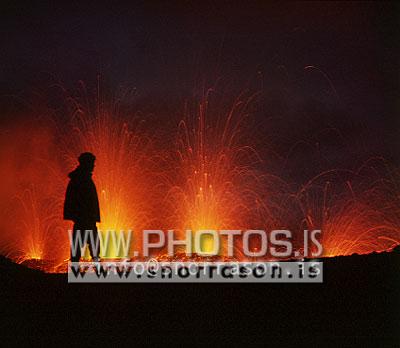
x: 81, y: 200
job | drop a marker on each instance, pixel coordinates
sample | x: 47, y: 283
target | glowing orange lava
x: 216, y: 184
x: 209, y: 177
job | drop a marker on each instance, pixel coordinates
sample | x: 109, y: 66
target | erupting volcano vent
x: 217, y: 185
x: 210, y: 176
x: 358, y: 212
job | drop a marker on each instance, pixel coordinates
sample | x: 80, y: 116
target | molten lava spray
x: 356, y: 214
x: 218, y: 180
x: 210, y: 176
x: 123, y: 151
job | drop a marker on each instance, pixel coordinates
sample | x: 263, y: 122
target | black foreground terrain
x: 359, y: 299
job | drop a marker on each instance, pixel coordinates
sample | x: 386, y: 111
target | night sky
x: 165, y: 51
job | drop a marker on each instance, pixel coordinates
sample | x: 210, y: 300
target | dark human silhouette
x: 82, y: 205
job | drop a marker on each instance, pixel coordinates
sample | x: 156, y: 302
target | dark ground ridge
x: 359, y: 299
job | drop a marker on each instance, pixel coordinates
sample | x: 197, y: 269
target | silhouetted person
x: 82, y: 205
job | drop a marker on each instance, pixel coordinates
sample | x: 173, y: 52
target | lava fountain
x: 32, y: 190
x: 217, y: 183
x: 124, y: 158
x: 357, y: 212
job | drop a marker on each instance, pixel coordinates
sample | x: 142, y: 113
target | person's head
x: 86, y: 161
